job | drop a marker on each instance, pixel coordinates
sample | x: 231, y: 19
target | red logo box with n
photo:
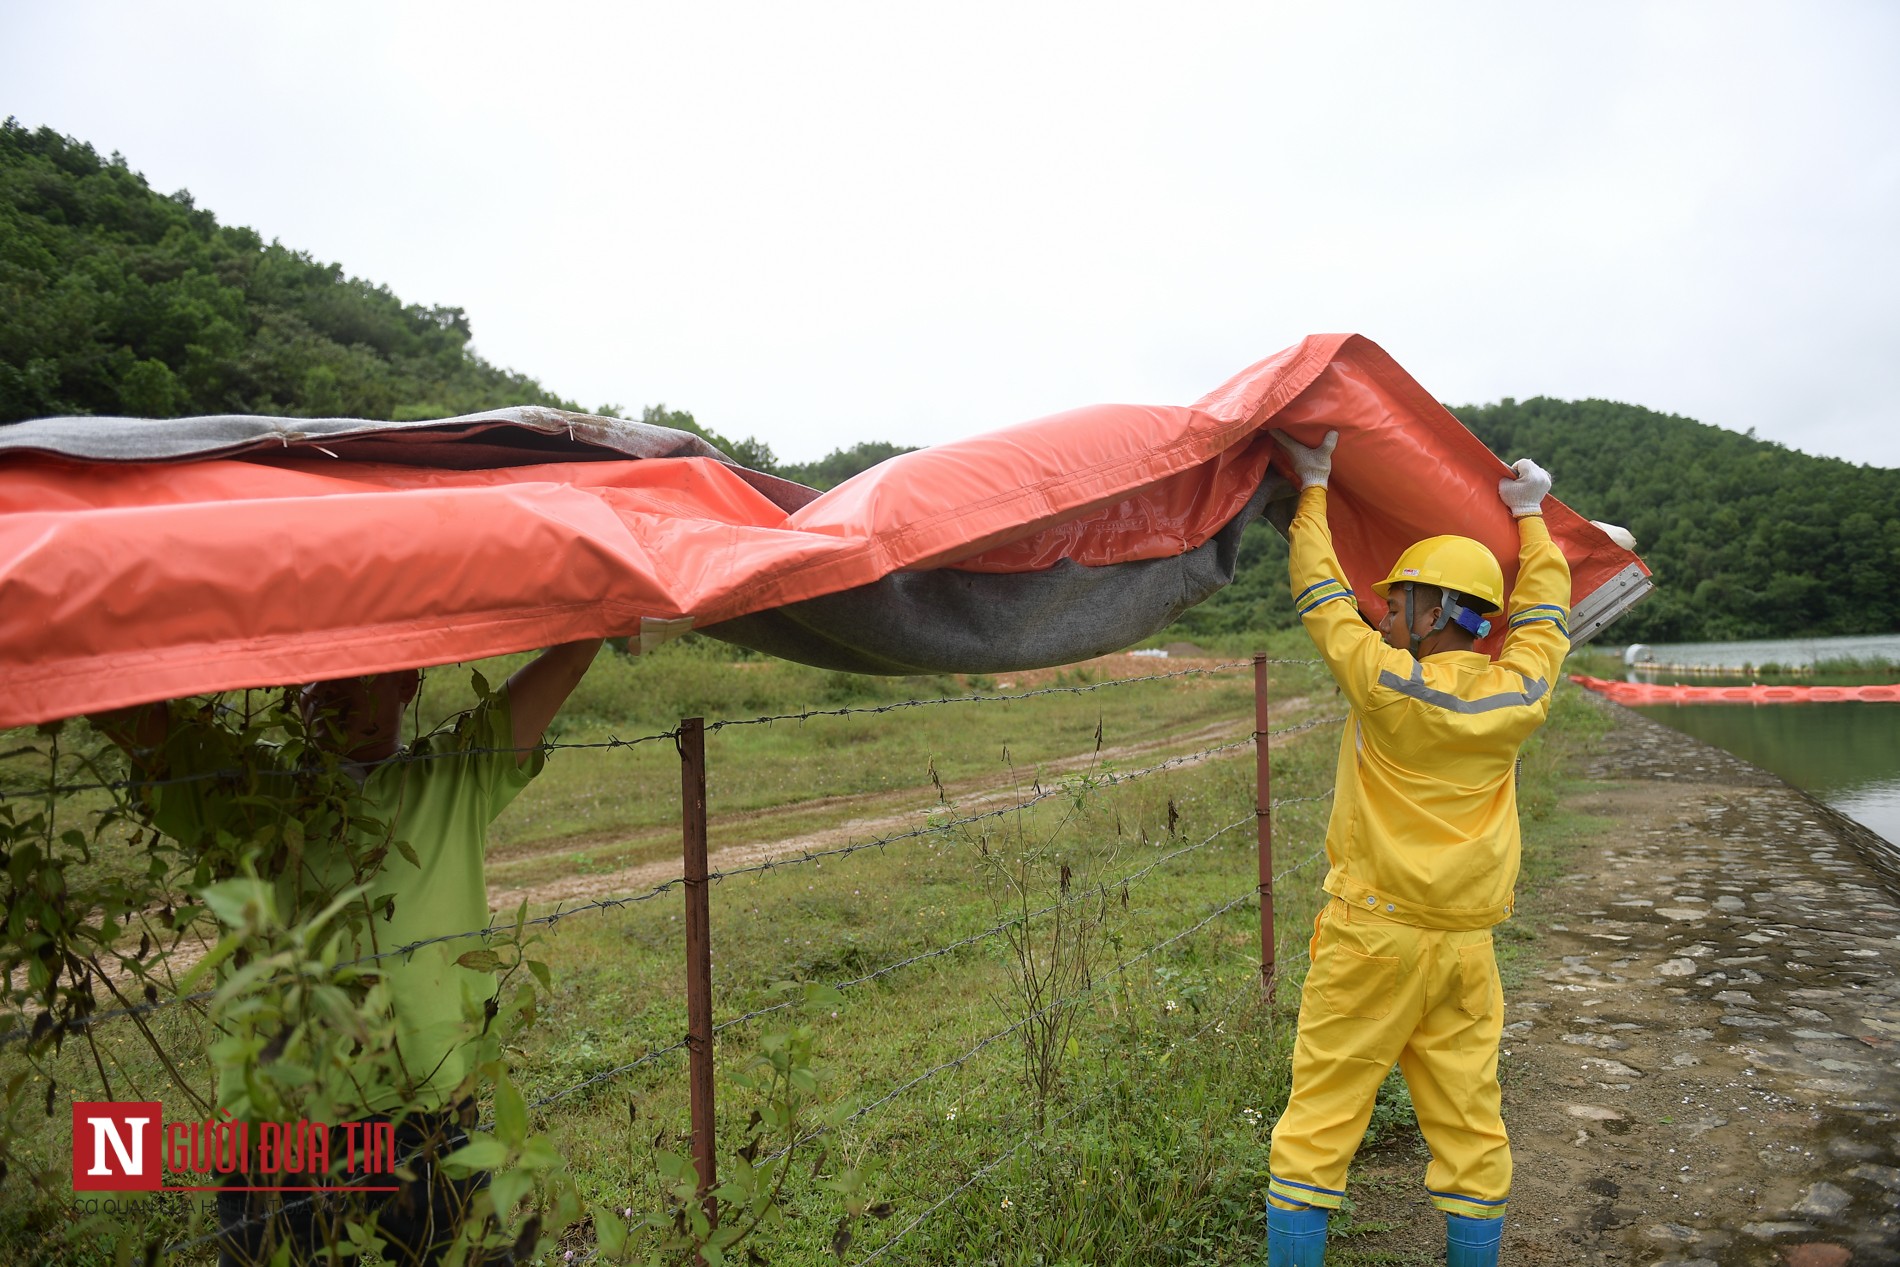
x: 115, y: 1146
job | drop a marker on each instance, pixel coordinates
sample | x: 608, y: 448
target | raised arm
x: 537, y: 690
x: 140, y: 730
x: 1538, y: 635
x: 1352, y: 649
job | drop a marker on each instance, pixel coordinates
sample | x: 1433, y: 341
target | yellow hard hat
x: 1454, y: 563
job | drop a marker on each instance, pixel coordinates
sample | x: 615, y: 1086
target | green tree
x: 841, y: 464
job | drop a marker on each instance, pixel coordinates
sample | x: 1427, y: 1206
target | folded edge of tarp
x: 520, y: 435
x: 111, y: 439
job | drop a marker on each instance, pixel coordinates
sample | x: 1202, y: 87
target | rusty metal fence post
x: 699, y: 1026
x: 1263, y: 822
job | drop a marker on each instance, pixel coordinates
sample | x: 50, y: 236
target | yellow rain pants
x: 1381, y: 993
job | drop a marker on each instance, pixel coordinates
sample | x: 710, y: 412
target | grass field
x: 1159, y: 1100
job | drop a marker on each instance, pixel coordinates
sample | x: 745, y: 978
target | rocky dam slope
x: 1705, y: 1066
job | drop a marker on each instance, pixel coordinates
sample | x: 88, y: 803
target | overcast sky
x: 825, y: 223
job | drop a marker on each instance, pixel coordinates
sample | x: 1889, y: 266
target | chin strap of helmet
x: 1450, y: 611
x: 1411, y: 624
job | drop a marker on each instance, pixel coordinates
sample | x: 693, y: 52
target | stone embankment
x: 1705, y: 1071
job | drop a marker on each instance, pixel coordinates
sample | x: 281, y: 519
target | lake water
x: 1846, y: 755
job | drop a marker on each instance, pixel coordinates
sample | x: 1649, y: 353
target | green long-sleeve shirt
x: 441, y: 808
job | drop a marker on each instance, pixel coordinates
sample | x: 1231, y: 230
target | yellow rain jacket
x: 1424, y: 825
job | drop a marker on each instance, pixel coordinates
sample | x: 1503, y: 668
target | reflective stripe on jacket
x: 1424, y: 823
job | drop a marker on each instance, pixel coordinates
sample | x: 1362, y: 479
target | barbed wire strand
x: 1305, y: 725
x: 995, y: 930
x: 1104, y: 886
x: 400, y: 757
x: 990, y: 699
x: 1110, y: 779
x: 1287, y: 871
x: 1012, y: 1027
x: 621, y: 902
x: 1066, y: 788
x: 605, y: 1075
x: 406, y: 757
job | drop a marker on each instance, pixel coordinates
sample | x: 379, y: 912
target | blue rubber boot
x: 1472, y: 1242
x: 1297, y: 1238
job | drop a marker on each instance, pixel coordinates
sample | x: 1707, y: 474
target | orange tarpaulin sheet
x: 122, y: 582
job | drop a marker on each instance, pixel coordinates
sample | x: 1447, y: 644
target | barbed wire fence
x: 698, y: 877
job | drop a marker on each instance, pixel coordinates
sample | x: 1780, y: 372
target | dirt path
x: 875, y: 820
x: 1704, y: 1070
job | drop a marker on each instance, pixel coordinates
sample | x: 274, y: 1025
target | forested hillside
x: 121, y: 300
x: 1747, y: 539
x: 116, y: 299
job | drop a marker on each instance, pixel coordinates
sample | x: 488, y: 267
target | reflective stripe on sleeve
x: 1544, y: 611
x: 1320, y: 592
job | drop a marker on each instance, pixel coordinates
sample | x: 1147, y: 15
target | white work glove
x: 1525, y: 494
x: 1312, y: 465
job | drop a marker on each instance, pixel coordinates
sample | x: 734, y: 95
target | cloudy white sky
x: 826, y: 223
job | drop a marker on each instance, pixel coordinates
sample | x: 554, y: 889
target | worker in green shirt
x: 438, y: 801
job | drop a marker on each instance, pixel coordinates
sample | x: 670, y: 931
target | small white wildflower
x: 1170, y: 1006
x: 1006, y: 1203
x: 951, y: 1116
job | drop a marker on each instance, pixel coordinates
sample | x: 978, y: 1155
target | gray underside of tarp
x: 519, y: 436
x: 946, y: 621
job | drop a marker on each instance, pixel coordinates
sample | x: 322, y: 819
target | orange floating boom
x: 1654, y: 693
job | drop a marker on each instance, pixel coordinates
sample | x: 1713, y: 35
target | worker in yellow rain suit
x: 1423, y: 847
